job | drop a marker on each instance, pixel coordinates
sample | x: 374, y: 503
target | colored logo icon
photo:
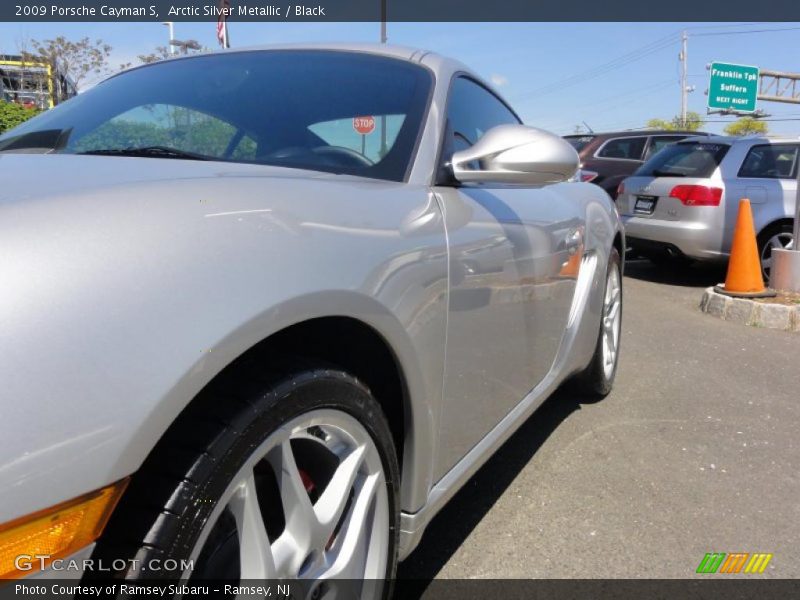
x: 735, y: 562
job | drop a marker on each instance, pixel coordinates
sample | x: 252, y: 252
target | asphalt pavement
x: 696, y: 450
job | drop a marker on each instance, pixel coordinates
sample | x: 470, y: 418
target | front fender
x: 121, y: 303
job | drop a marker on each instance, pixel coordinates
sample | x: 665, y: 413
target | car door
x: 511, y: 282
x: 768, y: 178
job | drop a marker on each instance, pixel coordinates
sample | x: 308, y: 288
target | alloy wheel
x: 310, y: 503
x: 612, y: 319
x: 781, y: 240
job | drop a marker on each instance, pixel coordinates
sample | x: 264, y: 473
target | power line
x: 767, y: 120
x: 642, y: 52
x: 602, y: 69
x: 725, y: 25
x: 647, y: 50
x: 628, y: 126
x: 745, y: 31
x: 645, y: 90
x: 638, y: 95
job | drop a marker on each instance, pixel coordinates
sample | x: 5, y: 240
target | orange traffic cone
x: 744, y: 267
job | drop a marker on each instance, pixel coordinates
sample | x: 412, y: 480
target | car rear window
x: 770, y: 161
x: 579, y: 142
x: 685, y: 159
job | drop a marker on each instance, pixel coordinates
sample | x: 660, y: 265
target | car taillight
x: 587, y: 176
x: 697, y: 195
x: 620, y: 189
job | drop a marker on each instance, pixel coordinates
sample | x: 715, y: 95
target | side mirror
x: 516, y: 154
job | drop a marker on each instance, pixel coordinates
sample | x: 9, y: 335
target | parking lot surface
x: 695, y: 451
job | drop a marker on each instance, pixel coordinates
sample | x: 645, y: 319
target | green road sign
x: 733, y: 87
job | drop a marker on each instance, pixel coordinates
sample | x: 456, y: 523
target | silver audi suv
x: 683, y: 202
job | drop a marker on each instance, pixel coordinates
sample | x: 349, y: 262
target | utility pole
x: 684, y: 77
x: 383, y: 21
x: 383, y: 41
x: 171, y: 25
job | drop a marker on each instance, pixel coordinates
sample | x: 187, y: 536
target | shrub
x: 12, y: 115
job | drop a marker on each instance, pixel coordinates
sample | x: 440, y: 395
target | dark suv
x: 608, y: 158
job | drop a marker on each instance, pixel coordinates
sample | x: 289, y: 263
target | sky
x: 557, y: 76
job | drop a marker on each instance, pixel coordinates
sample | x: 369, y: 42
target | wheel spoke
x: 606, y: 348
x: 610, y: 351
x: 614, y: 294
x: 608, y: 324
x: 301, y: 522
x: 255, y: 553
x: 612, y: 311
x: 352, y: 548
x: 331, y: 504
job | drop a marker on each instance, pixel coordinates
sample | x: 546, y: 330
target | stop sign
x: 364, y: 125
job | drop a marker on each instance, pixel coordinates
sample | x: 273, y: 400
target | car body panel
x: 159, y: 246
x: 132, y: 282
x: 506, y: 292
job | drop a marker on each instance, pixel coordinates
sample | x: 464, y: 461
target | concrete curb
x: 750, y: 312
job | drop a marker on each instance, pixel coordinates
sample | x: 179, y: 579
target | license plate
x: 645, y: 205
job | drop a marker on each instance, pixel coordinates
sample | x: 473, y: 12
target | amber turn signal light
x: 31, y: 542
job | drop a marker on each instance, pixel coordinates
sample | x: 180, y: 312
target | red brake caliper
x: 307, y: 483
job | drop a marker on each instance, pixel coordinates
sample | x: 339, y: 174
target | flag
x: 222, y: 24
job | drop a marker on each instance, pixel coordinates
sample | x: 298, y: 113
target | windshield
x: 579, y: 142
x: 685, y: 159
x: 330, y: 111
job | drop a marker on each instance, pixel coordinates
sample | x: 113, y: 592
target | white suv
x: 683, y: 201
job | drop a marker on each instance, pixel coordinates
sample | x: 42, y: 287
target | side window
x: 657, y: 142
x: 630, y: 148
x: 472, y: 110
x: 771, y: 161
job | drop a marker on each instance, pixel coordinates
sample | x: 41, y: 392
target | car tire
x: 778, y: 235
x: 308, y: 454
x: 597, y: 379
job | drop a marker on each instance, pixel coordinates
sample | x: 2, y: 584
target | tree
x: 693, y: 122
x: 659, y: 124
x: 12, y: 115
x: 161, y: 53
x: 76, y: 60
x: 746, y: 126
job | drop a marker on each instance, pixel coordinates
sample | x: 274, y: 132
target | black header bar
x: 399, y: 10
